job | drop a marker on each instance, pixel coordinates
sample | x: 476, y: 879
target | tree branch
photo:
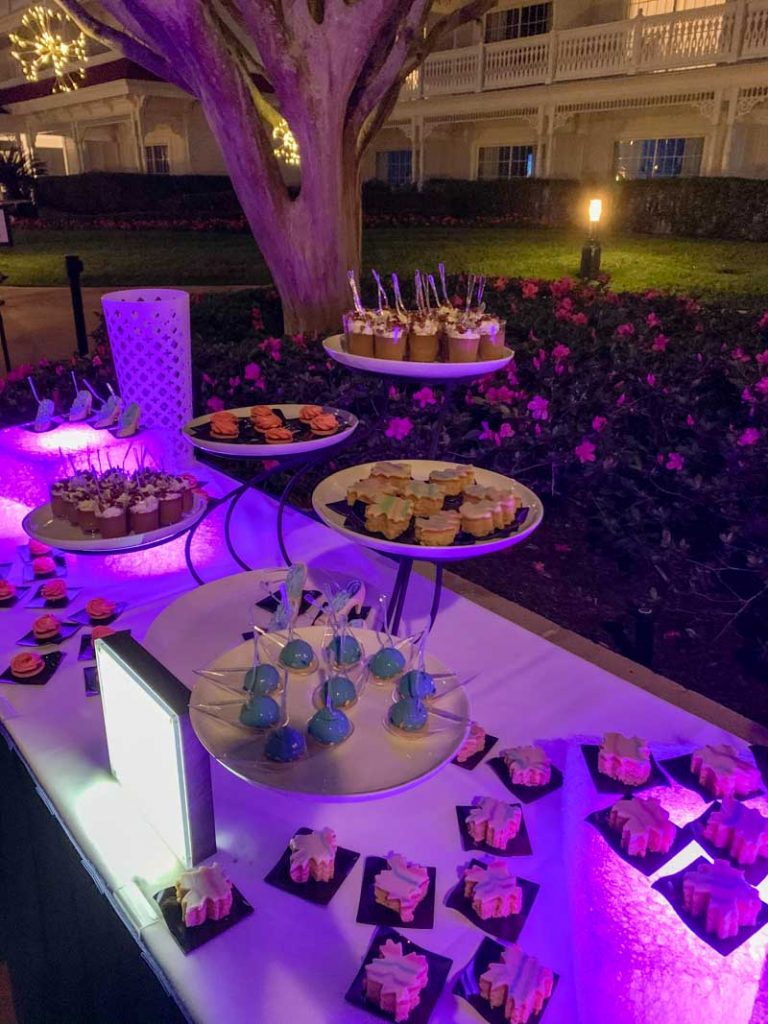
x: 129, y: 45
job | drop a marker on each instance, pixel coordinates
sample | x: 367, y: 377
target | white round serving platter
x: 62, y: 535
x: 334, y: 488
x: 372, y: 761
x: 416, y: 371
x: 250, y: 451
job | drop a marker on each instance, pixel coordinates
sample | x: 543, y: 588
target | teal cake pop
x: 260, y: 712
x: 387, y: 663
x: 339, y: 691
x: 416, y: 683
x: 297, y: 655
x: 263, y: 679
x: 329, y: 726
x: 408, y: 714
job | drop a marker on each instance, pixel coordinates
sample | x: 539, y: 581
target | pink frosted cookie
x: 724, y: 771
x: 519, y: 983
x: 742, y: 831
x: 719, y: 893
x: 313, y: 855
x: 493, y: 821
x: 401, y: 886
x: 493, y: 890
x: 204, y: 894
x: 394, y: 980
x: 528, y: 766
x: 473, y: 744
x: 644, y: 825
x: 625, y: 758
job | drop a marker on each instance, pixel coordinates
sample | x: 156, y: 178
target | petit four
x: 224, y: 424
x: 278, y: 435
x: 264, y: 679
x: 394, y: 980
x: 528, y: 766
x: 285, y: 744
x: 477, y: 519
x: 26, y: 665
x: 298, y: 656
x: 416, y: 683
x: 313, y: 855
x: 401, y: 886
x: 390, y: 515
x: 400, y: 472
x: 329, y: 726
x: 741, y: 831
x: 338, y: 691
x: 518, y: 983
x: 625, y: 758
x: 37, y: 549
x: 204, y: 895
x: 369, y: 491
x: 54, y: 590
x: 644, y: 826
x: 324, y: 424
x: 43, y: 566
x: 7, y: 591
x: 494, y: 822
x: 438, y: 530
x: 724, y: 771
x: 99, y: 608
x: 409, y: 715
x: 266, y: 421
x: 473, y: 744
x: 46, y: 627
x: 427, y: 499
x: 308, y: 412
x: 719, y: 893
x: 100, y: 632
x: 260, y: 712
x: 493, y: 890
x: 386, y: 664
x: 450, y: 480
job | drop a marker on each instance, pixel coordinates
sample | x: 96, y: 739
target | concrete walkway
x: 39, y: 324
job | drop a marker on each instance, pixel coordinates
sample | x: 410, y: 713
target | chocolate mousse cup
x: 423, y: 348
x: 493, y: 337
x: 390, y: 341
x: 144, y: 515
x: 112, y: 522
x: 170, y: 507
x: 58, y: 504
x: 71, y: 502
x: 86, y: 516
x: 463, y: 344
x: 358, y: 334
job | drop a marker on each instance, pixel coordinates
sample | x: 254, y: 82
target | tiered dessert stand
x: 333, y: 489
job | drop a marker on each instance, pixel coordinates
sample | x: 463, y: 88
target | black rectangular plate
x: 519, y: 846
x: 680, y: 770
x: 189, y: 939
x: 315, y: 892
x: 439, y: 968
x: 508, y: 928
x: 649, y: 864
x: 371, y: 912
x: 467, y: 984
x: 67, y: 630
x: 754, y: 873
x: 38, y: 601
x: 526, y: 794
x: 84, y: 617
x: 52, y: 661
x: 472, y: 762
x: 20, y: 592
x: 605, y: 784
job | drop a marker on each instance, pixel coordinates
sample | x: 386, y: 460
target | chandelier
x: 284, y: 144
x: 50, y: 41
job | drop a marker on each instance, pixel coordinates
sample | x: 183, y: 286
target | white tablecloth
x: 623, y: 955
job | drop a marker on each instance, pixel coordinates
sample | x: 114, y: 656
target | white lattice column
x: 149, y: 333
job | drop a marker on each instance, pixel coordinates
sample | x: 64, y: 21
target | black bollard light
x: 74, y: 270
x: 591, y: 250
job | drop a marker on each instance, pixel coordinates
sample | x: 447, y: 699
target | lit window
x: 658, y: 158
x: 506, y: 161
x: 394, y: 166
x: 157, y: 160
x: 518, y: 22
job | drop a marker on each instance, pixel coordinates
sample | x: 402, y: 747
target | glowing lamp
x: 153, y: 751
x: 595, y: 210
x: 591, y: 251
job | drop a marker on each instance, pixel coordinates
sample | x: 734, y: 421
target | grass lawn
x: 113, y: 258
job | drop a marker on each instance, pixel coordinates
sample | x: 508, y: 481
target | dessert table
x: 623, y: 955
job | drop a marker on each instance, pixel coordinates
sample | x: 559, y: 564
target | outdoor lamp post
x: 591, y: 250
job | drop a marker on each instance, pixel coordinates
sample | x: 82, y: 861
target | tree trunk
x: 309, y: 243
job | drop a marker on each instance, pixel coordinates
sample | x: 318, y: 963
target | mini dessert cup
x: 144, y: 515
x: 170, y: 508
x: 463, y: 344
x: 358, y: 331
x: 423, y: 344
x: 58, y: 504
x: 86, y: 516
x: 112, y: 522
x: 389, y: 341
x: 493, y: 336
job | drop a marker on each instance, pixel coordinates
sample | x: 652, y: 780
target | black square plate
x: 754, y: 873
x: 38, y: 601
x: 20, y: 592
x: 189, y: 939
x: 519, y: 846
x: 315, y: 892
x: 52, y: 661
x: 467, y: 984
x: 671, y: 887
x: 649, y: 864
x: 472, y: 762
x: 371, y: 912
x: 680, y: 770
x: 508, y: 928
x: 67, y: 630
x: 83, y: 616
x: 439, y: 968
x: 605, y: 784
x: 526, y: 794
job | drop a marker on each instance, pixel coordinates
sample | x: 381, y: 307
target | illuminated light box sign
x: 153, y: 751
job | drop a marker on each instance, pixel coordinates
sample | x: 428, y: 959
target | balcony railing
x: 733, y: 31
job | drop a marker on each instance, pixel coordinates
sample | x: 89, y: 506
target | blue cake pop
x: 387, y: 663
x: 339, y: 691
x: 329, y: 726
x: 263, y: 679
x: 260, y: 712
x: 285, y: 744
x: 344, y: 650
x: 408, y: 714
x: 416, y: 683
x: 297, y: 654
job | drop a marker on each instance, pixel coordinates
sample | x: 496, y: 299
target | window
x: 658, y: 158
x: 157, y: 160
x: 394, y: 166
x: 518, y: 22
x: 506, y: 161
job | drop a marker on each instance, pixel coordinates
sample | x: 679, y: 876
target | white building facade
x: 587, y: 89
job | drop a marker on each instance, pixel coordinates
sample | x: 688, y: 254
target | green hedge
x: 734, y: 208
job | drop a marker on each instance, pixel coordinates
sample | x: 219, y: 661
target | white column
x: 726, y: 160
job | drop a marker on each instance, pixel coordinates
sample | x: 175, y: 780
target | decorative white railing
x: 732, y: 31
